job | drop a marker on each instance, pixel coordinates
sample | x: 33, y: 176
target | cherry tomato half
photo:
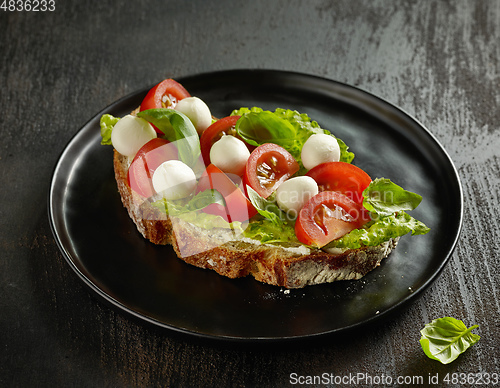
x: 164, y: 95
x: 268, y: 166
x: 341, y: 177
x: 214, y: 132
x: 328, y: 216
x: 238, y: 207
x: 145, y: 162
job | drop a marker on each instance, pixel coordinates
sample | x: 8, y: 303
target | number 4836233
x: 28, y: 5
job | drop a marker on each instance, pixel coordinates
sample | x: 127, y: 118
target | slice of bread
x: 232, y: 255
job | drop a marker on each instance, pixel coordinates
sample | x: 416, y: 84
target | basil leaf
x: 107, y: 122
x: 384, y: 198
x: 257, y: 128
x: 444, y: 339
x: 177, y: 128
x: 266, y: 208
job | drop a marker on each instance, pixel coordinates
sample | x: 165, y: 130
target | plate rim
x: 264, y: 72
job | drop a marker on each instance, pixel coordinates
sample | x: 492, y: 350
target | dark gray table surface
x: 436, y: 60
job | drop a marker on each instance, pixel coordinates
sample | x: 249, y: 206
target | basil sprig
x: 444, y: 339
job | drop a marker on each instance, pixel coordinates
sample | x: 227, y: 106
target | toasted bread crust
x: 233, y: 256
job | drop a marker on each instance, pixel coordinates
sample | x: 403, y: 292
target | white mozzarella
x: 292, y: 194
x: 174, y: 179
x: 197, y: 111
x: 230, y: 154
x: 319, y: 148
x: 130, y: 133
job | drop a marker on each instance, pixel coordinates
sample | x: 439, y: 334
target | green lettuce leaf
x: 177, y: 128
x: 384, y: 198
x: 274, y: 227
x: 285, y: 127
x: 377, y: 232
x: 205, y: 198
x: 190, y: 210
x: 190, y: 204
x: 444, y: 339
x: 345, y: 155
x: 210, y: 221
x: 269, y: 232
x: 107, y: 123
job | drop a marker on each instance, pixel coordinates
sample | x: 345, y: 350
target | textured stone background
x: 437, y: 60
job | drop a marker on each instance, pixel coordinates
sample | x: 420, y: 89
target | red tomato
x: 341, y: 177
x: 164, y: 95
x: 145, y: 162
x: 268, y: 166
x: 328, y: 216
x: 214, y: 132
x: 238, y: 207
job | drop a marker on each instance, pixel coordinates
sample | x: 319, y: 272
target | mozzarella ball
x: 130, y: 133
x: 197, y: 111
x: 174, y: 179
x: 230, y: 154
x: 320, y: 148
x: 293, y: 193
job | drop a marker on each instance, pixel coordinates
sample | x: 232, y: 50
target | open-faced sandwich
x: 261, y: 193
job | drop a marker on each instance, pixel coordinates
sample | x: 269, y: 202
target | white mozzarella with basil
x: 292, y: 194
x: 319, y: 148
x: 197, y: 111
x: 130, y: 133
x: 174, y: 179
x: 229, y: 154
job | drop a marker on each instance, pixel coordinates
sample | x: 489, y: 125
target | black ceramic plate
x: 102, y: 245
